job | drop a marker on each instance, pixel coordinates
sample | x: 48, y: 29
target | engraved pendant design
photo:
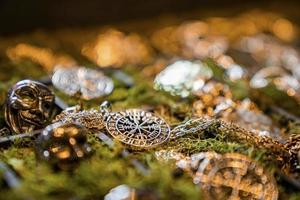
x: 138, y: 128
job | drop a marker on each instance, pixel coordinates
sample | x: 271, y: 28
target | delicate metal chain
x: 234, y: 133
x: 91, y: 119
x: 191, y: 126
x: 285, y: 153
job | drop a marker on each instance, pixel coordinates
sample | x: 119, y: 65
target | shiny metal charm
x: 182, y: 77
x: 28, y: 106
x: 63, y: 145
x: 138, y: 128
x: 88, y: 83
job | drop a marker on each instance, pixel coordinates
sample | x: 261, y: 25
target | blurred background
x: 19, y: 15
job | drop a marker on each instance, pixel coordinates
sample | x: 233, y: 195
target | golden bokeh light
x: 114, y: 49
x: 284, y: 29
x: 42, y: 56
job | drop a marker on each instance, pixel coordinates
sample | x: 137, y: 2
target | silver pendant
x: 88, y: 83
x: 138, y: 128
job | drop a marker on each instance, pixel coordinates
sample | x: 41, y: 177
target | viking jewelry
x: 227, y: 176
x: 136, y: 128
x: 8, y: 140
x: 141, y: 129
x: 88, y: 83
x: 281, y: 152
x: 63, y: 145
x: 182, y: 77
x: 28, y: 106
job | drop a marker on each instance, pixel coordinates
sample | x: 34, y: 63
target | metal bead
x: 63, y: 145
x: 28, y: 106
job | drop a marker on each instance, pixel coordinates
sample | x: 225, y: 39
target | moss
x: 106, y: 169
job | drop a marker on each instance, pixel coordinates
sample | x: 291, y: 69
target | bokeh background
x: 21, y: 16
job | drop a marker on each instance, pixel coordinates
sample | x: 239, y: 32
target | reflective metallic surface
x: 28, y: 106
x: 229, y: 176
x: 90, y: 119
x: 182, y: 77
x: 88, y: 83
x: 63, y: 145
x: 138, y: 128
x: 233, y: 176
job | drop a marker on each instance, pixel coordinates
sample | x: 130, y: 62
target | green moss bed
x: 106, y: 168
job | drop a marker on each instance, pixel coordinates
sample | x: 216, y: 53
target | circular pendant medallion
x: 232, y: 176
x: 138, y: 128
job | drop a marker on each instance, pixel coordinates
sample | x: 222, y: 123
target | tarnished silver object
x: 182, y: 77
x: 227, y: 176
x: 89, y: 83
x: 138, y: 128
x: 141, y: 129
x: 134, y: 127
x: 233, y: 176
x: 91, y: 119
x: 63, y: 145
x: 280, y: 152
x: 28, y: 106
